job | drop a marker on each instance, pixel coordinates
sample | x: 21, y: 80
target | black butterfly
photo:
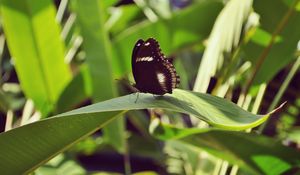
x: 152, y: 72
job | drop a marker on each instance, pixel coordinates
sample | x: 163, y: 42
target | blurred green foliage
x: 57, y: 56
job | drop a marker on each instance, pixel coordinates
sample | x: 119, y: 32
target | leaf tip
x: 278, y: 108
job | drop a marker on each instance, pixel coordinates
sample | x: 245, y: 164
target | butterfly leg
x: 137, y: 96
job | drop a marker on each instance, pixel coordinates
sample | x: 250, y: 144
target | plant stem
x: 127, y: 159
x: 282, y: 90
x: 27, y: 112
x: 266, y: 51
x: 9, y: 120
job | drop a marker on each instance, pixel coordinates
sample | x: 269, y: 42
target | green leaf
x: 214, y: 110
x: 28, y: 147
x: 282, y: 52
x: 33, y: 39
x: 25, y: 148
x: 255, y: 153
x: 96, y: 44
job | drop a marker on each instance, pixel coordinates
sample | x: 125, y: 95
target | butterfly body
x: 152, y: 72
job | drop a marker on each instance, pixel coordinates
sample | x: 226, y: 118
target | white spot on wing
x: 147, y: 44
x: 162, y: 80
x: 144, y: 59
x: 161, y: 77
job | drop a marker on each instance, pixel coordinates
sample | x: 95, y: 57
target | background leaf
x: 34, y: 42
x: 225, y: 36
x: 255, y: 153
x: 99, y: 61
x: 283, y: 51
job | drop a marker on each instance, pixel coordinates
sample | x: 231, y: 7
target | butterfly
x: 152, y: 71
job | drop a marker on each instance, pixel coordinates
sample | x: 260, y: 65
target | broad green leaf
x: 33, y: 39
x: 96, y: 44
x: 255, y: 153
x: 282, y: 52
x: 214, y: 110
x: 185, y: 27
x: 25, y: 148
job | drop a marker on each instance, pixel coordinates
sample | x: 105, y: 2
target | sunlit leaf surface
x: 36, y: 47
x: 25, y: 148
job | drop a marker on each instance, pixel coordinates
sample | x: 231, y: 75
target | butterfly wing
x: 152, y: 72
x: 135, y: 51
